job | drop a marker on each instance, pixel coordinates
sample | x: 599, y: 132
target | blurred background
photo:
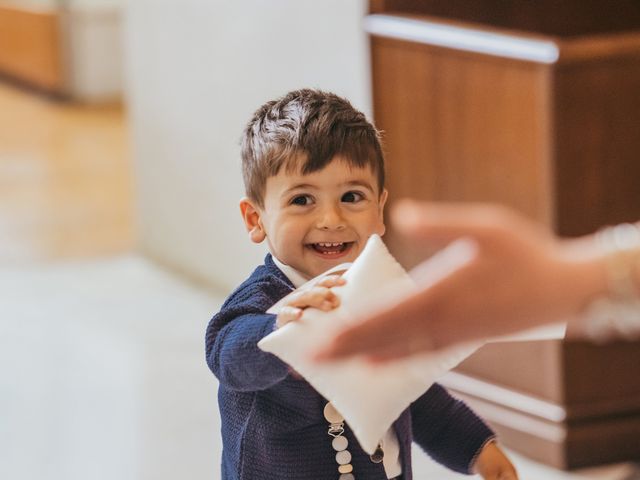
x: 120, y: 233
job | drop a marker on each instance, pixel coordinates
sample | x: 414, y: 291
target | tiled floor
x: 102, y: 372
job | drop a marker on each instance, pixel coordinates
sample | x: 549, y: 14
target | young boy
x: 314, y: 175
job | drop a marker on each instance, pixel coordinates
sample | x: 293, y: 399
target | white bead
x: 343, y: 457
x: 340, y: 443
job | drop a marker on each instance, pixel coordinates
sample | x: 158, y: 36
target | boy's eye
x: 301, y: 200
x: 352, y: 197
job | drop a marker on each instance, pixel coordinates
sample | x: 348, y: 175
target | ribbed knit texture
x: 273, y: 427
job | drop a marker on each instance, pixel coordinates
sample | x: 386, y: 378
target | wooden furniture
x: 66, y: 188
x: 32, y: 47
x: 535, y: 105
x: 71, y: 50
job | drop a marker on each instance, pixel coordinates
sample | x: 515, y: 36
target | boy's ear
x: 251, y: 216
x: 383, y: 198
x: 381, y: 204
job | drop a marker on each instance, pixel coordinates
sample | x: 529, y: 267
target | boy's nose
x: 331, y: 219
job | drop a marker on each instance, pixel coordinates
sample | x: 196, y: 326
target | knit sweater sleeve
x: 232, y: 336
x: 448, y: 430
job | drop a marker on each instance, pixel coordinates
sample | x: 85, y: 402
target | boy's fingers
x: 301, y: 299
x: 288, y: 314
x: 317, y: 297
x: 331, y: 281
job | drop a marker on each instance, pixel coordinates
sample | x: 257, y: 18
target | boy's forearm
x: 237, y: 361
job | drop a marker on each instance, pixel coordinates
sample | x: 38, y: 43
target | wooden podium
x: 535, y: 105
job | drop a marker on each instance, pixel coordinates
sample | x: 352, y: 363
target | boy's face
x: 316, y: 221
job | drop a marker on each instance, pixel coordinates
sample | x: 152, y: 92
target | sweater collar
x: 273, y: 269
x: 294, y: 276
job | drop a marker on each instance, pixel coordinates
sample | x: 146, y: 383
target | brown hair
x: 308, y: 126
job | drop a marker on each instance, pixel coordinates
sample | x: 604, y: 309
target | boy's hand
x: 318, y: 295
x: 492, y: 464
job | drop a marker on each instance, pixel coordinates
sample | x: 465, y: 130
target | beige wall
x: 196, y: 70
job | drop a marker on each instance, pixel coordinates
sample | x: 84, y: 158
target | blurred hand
x: 519, y: 277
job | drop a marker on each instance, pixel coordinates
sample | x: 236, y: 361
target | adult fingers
x: 386, y: 331
x: 448, y: 221
x: 401, y: 348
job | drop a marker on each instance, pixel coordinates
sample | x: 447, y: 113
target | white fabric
x: 374, y: 279
x: 294, y: 276
x: 391, y: 448
x: 389, y: 443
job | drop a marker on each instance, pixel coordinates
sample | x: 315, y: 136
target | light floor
x: 101, y: 351
x: 103, y: 377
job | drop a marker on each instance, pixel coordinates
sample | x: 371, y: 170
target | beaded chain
x: 340, y: 443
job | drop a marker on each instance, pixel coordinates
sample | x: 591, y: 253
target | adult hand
x: 519, y: 277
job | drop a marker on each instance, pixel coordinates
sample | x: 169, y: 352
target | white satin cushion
x: 369, y: 397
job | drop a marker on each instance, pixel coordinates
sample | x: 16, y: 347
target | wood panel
x: 601, y: 379
x: 562, y: 444
x: 541, y: 378
x: 568, y: 18
x: 556, y: 137
x: 439, y: 110
x: 597, y: 138
x: 31, y: 47
x: 587, y: 380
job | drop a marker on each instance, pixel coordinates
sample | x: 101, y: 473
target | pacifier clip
x: 340, y: 443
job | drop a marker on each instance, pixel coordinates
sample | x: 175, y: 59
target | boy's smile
x: 331, y: 249
x: 315, y: 221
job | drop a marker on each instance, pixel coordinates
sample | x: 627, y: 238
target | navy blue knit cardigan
x: 273, y: 427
